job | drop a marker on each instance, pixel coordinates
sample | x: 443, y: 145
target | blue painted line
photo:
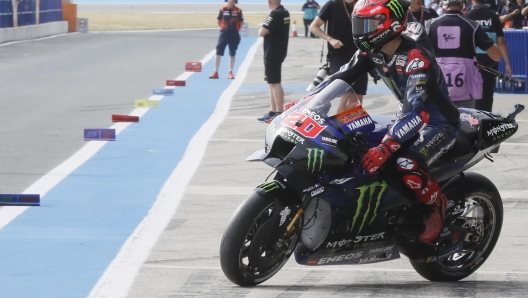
x: 63, y: 247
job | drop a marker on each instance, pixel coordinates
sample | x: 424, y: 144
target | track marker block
x: 175, y: 83
x: 19, y: 200
x: 99, y: 134
x: 164, y: 92
x: 124, y: 118
x: 145, y: 103
x: 193, y: 66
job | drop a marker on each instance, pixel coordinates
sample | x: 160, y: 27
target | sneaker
x: 433, y: 224
x: 275, y: 114
x: 230, y: 75
x: 266, y: 116
x: 214, y: 75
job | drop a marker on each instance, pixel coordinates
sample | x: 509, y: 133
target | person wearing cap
x: 490, y: 23
x: 230, y: 20
x: 455, y: 39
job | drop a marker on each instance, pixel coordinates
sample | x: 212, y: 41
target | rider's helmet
x: 376, y: 22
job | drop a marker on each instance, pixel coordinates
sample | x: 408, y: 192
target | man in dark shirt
x: 276, y: 31
x: 420, y: 13
x: 336, y: 14
x: 455, y: 39
x: 511, y: 15
x: 230, y: 20
x: 490, y: 23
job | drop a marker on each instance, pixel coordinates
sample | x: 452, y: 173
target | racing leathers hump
x: 414, y: 78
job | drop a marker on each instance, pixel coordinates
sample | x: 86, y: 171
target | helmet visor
x: 364, y: 26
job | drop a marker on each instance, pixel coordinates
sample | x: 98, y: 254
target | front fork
x: 275, y: 237
x: 306, y: 201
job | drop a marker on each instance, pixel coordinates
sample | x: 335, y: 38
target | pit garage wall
x: 29, y: 19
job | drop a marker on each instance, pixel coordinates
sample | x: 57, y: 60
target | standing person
x: 310, y: 8
x: 421, y: 13
x: 511, y: 15
x: 230, y: 19
x: 490, y: 23
x: 276, y: 31
x: 341, y: 48
x: 455, y: 39
x: 436, y: 5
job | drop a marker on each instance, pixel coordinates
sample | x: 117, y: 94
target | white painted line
x: 239, y: 140
x: 36, y: 39
x: 52, y: 178
x: 324, y: 268
x: 514, y: 144
x: 120, y: 275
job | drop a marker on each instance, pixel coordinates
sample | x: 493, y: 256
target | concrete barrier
x: 32, y: 31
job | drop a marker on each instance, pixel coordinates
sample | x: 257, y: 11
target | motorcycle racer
x: 427, y: 122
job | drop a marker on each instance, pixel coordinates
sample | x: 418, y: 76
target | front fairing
x: 309, y: 135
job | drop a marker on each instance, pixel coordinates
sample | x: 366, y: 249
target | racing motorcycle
x: 324, y: 208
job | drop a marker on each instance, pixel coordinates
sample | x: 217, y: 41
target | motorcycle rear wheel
x: 243, y: 258
x: 482, y: 201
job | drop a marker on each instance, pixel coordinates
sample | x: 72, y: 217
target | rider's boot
x: 432, y: 195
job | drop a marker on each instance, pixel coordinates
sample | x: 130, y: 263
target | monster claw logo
x: 396, y: 8
x: 366, y: 45
x: 269, y: 186
x: 315, y: 159
x: 370, y: 195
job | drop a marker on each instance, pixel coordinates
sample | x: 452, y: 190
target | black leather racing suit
x: 427, y: 122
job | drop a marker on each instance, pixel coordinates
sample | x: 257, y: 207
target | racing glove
x: 376, y: 157
x: 375, y: 76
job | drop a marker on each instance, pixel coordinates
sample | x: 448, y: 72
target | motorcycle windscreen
x: 339, y: 102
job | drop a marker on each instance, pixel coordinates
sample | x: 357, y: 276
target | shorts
x: 272, y: 71
x: 228, y: 38
x: 360, y: 85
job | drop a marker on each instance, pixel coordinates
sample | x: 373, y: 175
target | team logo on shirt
x: 416, y: 61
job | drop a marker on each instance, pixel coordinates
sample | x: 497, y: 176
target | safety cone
x: 294, y: 29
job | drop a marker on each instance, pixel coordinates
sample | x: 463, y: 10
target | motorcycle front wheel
x: 483, y: 216
x: 243, y: 258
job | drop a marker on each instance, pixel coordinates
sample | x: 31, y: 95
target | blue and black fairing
x: 480, y: 133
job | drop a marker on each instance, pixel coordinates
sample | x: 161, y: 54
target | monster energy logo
x: 373, y: 202
x: 269, y: 186
x: 396, y: 7
x: 315, y: 159
x: 366, y: 45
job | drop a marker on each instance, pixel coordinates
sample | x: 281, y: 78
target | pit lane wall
x: 29, y: 19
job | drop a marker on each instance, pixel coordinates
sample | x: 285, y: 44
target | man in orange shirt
x: 230, y: 20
